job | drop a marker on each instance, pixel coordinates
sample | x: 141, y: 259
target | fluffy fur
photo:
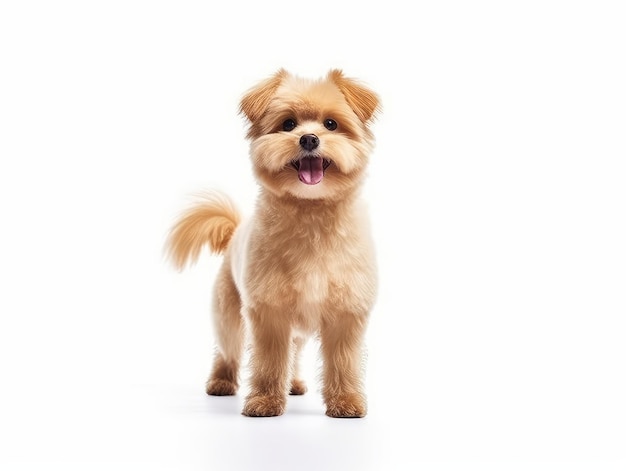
x: 303, y: 264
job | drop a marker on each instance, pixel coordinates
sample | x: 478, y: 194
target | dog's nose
x: 309, y: 141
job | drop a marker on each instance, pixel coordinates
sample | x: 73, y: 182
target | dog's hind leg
x: 298, y: 386
x: 229, y: 328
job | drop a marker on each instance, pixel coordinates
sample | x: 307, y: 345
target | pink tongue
x: 311, y: 170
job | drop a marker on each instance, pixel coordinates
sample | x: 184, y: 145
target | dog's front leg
x: 269, y: 362
x: 342, y: 341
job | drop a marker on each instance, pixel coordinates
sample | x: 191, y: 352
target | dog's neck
x: 313, y: 211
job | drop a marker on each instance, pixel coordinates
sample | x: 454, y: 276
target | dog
x: 303, y: 265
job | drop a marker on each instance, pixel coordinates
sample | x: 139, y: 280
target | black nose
x: 309, y: 141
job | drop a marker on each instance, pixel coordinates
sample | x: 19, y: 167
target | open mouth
x: 311, y: 169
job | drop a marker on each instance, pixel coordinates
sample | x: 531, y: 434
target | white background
x: 498, y: 203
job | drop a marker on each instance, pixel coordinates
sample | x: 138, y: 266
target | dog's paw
x: 346, y: 406
x: 298, y: 387
x: 220, y: 387
x: 264, y: 406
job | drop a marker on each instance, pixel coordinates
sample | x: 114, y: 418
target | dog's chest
x: 303, y: 270
x: 311, y: 281
x: 308, y: 265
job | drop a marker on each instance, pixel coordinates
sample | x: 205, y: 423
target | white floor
x: 179, y: 428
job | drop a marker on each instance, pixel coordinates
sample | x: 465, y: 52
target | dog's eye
x: 289, y: 125
x: 330, y: 124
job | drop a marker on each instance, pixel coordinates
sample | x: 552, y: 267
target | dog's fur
x: 304, y: 263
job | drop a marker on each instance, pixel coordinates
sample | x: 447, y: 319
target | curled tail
x: 212, y: 220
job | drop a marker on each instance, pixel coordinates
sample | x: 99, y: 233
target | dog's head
x: 310, y: 138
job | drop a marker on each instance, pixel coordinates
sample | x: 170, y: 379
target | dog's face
x: 310, y: 139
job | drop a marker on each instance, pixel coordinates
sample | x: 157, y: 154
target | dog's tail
x: 212, y: 220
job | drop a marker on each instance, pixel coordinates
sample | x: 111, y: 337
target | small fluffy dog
x: 303, y: 264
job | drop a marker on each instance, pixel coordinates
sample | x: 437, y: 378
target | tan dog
x: 304, y: 263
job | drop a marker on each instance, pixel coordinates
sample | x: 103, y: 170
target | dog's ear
x: 362, y: 100
x: 257, y: 99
